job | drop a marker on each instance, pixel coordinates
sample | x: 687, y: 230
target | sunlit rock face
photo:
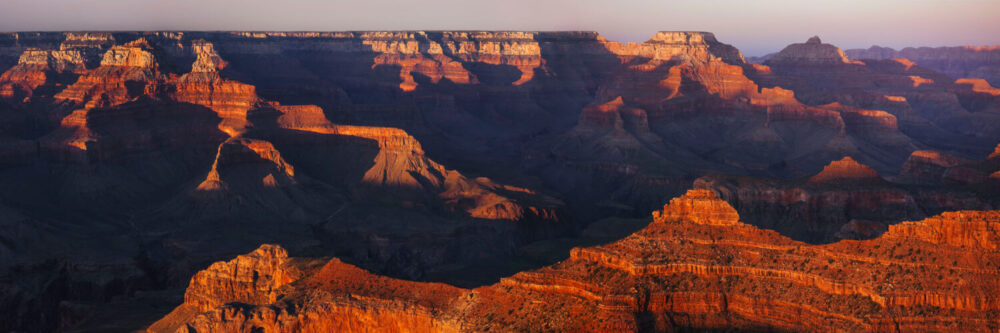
x: 133, y: 160
x: 696, y: 266
x: 846, y: 169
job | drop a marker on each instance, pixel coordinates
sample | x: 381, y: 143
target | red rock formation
x: 105, y: 86
x: 204, y: 86
x: 701, y: 207
x: 34, y: 68
x: 979, y: 86
x: 400, y: 172
x: 698, y: 271
x: 845, y: 169
x: 177, y: 142
x: 241, y: 151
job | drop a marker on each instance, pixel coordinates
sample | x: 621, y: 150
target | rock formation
x: 844, y: 170
x: 694, y: 267
x: 922, y: 100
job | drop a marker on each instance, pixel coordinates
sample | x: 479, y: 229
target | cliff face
x: 694, y: 267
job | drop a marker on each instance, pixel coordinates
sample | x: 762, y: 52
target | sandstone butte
x: 695, y: 266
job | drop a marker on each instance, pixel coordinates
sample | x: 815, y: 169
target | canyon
x: 466, y: 180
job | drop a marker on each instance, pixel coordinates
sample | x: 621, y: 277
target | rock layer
x: 683, y: 271
x: 418, y: 154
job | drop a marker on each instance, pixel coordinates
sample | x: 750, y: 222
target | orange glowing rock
x: 918, y: 81
x: 695, y: 266
x: 844, y: 169
x: 980, y: 86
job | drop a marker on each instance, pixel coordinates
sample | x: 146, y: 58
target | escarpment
x: 694, y: 267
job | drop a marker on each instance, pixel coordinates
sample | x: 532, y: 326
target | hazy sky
x: 756, y: 27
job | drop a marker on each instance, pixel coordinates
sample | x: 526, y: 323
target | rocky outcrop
x: 698, y: 206
x: 34, y: 68
x: 683, y: 271
x: 979, y: 86
x: 124, y: 72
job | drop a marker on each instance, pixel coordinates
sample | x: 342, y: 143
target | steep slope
x: 696, y: 266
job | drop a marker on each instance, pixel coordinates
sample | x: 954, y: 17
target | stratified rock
x: 416, y: 154
x: 34, y: 69
x: 677, y: 273
x: 845, y: 170
x: 124, y: 73
x: 698, y: 206
x: 254, y: 278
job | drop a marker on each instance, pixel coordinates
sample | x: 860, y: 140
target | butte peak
x: 813, y: 51
x: 845, y: 169
x: 699, y: 206
x: 136, y: 53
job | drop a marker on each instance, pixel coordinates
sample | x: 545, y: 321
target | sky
x: 756, y: 27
